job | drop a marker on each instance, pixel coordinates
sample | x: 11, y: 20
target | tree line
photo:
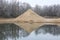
x: 14, y: 9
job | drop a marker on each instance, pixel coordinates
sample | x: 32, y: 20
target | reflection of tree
x: 52, y: 29
x: 11, y: 31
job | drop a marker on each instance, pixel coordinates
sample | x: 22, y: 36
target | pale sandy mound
x: 30, y: 15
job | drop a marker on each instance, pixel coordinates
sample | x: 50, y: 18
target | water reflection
x: 14, y: 32
x: 45, y: 32
x: 52, y: 29
x: 11, y: 31
x: 29, y: 27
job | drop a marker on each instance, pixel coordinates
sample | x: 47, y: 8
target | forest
x: 14, y: 9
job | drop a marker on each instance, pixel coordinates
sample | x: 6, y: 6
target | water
x: 44, y: 32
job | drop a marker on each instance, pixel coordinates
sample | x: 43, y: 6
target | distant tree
x: 14, y: 9
x: 37, y: 9
x: 24, y: 7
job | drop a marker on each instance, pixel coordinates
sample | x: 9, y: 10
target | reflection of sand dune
x: 30, y: 27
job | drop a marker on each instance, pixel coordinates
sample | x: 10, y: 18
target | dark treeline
x: 14, y: 9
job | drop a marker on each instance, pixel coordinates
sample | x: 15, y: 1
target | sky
x: 40, y: 2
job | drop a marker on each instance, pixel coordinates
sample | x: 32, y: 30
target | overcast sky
x: 41, y: 2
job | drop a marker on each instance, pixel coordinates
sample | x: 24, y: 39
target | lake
x: 44, y: 32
